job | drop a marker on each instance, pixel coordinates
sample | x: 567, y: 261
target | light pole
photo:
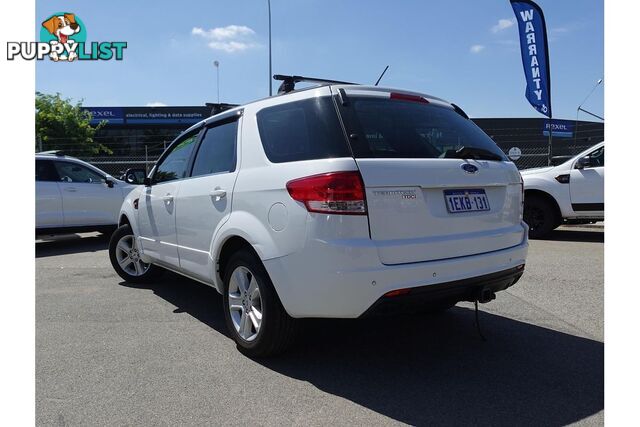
x: 575, y: 138
x: 270, y: 88
x: 217, y: 65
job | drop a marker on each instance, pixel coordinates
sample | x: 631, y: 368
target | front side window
x: 74, y: 172
x: 45, y: 171
x: 390, y: 128
x: 597, y: 158
x: 302, y: 130
x: 217, y: 152
x: 174, y: 165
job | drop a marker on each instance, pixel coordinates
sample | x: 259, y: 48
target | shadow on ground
x: 70, y: 244
x: 433, y: 369
x: 568, y: 235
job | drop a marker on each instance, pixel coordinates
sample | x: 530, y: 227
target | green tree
x: 62, y: 125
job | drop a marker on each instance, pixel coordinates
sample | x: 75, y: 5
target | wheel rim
x: 245, y: 303
x: 534, y: 217
x: 128, y: 256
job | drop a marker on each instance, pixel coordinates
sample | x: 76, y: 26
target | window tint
x: 217, y: 152
x: 174, y: 166
x: 45, y: 171
x: 74, y: 172
x: 302, y: 130
x: 406, y: 129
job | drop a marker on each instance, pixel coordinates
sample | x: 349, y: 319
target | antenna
x: 380, y: 78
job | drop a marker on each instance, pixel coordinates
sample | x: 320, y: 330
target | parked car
x: 74, y: 196
x: 572, y: 192
x: 335, y: 201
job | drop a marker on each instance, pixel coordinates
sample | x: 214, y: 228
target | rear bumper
x: 445, y: 293
x: 344, y: 278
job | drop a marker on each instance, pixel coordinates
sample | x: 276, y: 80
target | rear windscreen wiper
x: 475, y: 153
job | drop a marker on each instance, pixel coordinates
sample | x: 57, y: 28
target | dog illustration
x: 62, y: 26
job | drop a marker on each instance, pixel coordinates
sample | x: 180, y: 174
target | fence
x: 526, y: 137
x: 142, y: 152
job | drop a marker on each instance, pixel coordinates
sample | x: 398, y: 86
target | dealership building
x: 139, y: 134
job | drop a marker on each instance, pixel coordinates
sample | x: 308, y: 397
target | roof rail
x: 289, y: 82
x: 54, y: 152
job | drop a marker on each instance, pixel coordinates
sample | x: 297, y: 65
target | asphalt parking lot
x: 111, y: 353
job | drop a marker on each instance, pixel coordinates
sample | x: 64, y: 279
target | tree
x: 61, y: 125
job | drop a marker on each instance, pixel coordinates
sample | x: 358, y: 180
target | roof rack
x: 289, y: 82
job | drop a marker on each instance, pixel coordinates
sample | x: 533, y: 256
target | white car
x: 334, y: 201
x: 74, y: 196
x: 572, y: 192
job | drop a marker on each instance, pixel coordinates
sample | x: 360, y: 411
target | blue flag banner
x: 535, y: 54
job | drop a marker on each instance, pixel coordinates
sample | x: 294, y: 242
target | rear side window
x: 388, y: 128
x: 217, y: 152
x: 302, y: 130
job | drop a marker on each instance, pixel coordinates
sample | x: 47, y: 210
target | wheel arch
x: 548, y: 197
x: 231, y: 245
x: 123, y: 220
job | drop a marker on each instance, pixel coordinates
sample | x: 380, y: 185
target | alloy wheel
x: 245, y: 303
x: 128, y: 256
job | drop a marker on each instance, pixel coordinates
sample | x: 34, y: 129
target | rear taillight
x: 332, y: 193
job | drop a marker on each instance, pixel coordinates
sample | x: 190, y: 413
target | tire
x: 122, y: 248
x: 275, y: 331
x: 540, y: 215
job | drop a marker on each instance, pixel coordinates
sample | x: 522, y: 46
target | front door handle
x: 71, y: 190
x: 218, y: 193
x: 168, y: 198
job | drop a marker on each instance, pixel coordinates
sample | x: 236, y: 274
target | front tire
x: 125, y: 257
x: 540, y: 216
x: 255, y: 317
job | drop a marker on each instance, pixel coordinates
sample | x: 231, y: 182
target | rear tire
x: 540, y: 215
x: 255, y: 317
x: 125, y: 258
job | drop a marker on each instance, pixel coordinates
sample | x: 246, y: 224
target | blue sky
x: 465, y: 51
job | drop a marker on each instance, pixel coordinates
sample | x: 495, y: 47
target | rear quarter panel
x: 263, y: 212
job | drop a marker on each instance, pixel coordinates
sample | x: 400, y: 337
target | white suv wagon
x: 334, y: 201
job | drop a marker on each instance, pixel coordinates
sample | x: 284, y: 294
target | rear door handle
x: 218, y: 193
x: 71, y: 190
x: 168, y: 198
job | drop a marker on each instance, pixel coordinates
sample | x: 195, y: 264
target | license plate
x: 466, y: 201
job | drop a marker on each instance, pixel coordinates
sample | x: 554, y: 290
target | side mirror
x: 134, y: 175
x: 109, y: 183
x: 147, y: 181
x: 584, y: 162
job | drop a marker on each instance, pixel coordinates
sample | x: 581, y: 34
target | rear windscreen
x: 302, y: 130
x: 390, y: 128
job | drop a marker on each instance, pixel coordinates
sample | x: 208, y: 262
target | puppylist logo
x: 63, y: 37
